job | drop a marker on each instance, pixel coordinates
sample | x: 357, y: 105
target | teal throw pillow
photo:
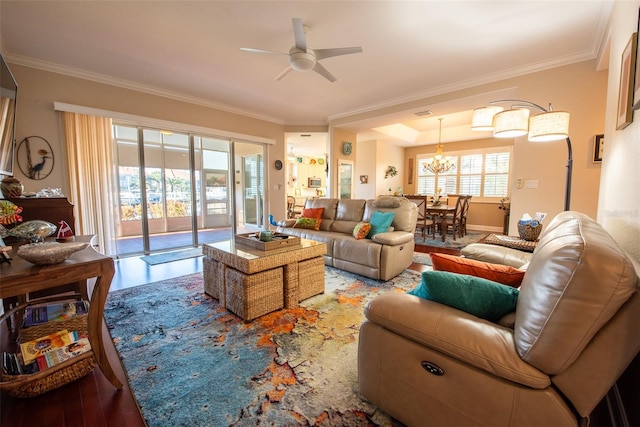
x: 380, y: 222
x: 481, y: 297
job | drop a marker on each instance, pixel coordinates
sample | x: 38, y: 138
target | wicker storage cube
x: 214, y: 281
x: 310, y: 278
x: 291, y: 285
x: 529, y: 232
x: 253, y: 295
x: 31, y: 385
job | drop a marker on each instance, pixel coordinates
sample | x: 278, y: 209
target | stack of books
x: 52, y: 349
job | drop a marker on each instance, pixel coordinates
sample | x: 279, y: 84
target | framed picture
x: 364, y: 179
x: 636, y: 85
x: 627, y: 73
x: 598, y: 148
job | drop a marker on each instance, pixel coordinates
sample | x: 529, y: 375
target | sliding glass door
x: 175, y: 189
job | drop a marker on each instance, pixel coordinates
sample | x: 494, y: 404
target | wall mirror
x: 8, y: 98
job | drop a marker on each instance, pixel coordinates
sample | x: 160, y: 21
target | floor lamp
x: 548, y: 125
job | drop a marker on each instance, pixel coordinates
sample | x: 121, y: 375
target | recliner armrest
x: 496, y: 254
x: 286, y: 222
x: 392, y: 238
x: 460, y: 335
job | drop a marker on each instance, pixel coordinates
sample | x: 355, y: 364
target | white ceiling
x: 411, y: 49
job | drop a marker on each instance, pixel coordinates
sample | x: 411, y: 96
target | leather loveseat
x: 382, y: 256
x: 576, y: 329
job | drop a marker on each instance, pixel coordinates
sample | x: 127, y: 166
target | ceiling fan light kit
x: 303, y: 58
x: 300, y: 60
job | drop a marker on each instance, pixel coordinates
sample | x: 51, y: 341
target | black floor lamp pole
x: 567, y: 189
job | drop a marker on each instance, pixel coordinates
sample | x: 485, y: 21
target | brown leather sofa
x: 576, y: 329
x: 381, y: 257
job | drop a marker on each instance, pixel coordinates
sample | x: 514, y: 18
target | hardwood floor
x: 92, y: 401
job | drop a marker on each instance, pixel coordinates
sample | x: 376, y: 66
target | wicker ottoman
x: 252, y: 283
x: 214, y: 286
x: 310, y: 278
x: 254, y: 295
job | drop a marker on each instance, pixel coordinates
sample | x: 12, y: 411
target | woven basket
x: 529, y: 232
x: 31, y: 385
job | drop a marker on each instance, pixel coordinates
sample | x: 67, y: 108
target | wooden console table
x: 21, y: 278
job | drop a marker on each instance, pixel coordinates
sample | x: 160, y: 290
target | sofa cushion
x: 349, y: 213
x: 406, y: 212
x: 312, y: 213
x: 361, y: 230
x: 503, y: 274
x: 380, y: 222
x: 363, y: 252
x: 481, y: 297
x: 308, y: 223
x: 329, y: 214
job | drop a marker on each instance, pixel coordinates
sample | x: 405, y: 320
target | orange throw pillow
x: 503, y: 274
x: 312, y: 213
x: 361, y: 230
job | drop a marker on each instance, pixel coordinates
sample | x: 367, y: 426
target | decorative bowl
x: 36, y: 230
x: 49, y: 252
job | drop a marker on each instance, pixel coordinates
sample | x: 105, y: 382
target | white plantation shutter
x: 480, y: 173
x: 496, y: 179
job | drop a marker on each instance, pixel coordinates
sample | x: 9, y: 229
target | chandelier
x: 440, y: 163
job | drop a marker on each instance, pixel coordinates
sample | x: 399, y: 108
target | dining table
x: 440, y: 211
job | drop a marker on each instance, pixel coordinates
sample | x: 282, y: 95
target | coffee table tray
x: 280, y: 240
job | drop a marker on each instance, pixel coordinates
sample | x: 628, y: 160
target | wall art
x: 627, y: 74
x: 598, y: 148
x: 35, y: 157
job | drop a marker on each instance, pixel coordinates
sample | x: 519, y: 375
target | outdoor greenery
x: 175, y: 209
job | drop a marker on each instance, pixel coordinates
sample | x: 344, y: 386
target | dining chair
x: 291, y: 207
x: 454, y: 220
x: 464, y: 214
x: 424, y: 221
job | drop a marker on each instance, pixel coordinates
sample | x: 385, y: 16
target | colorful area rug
x: 422, y: 258
x: 459, y: 243
x: 190, y: 362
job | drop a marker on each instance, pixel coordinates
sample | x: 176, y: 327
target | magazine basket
x: 31, y: 385
x: 529, y: 232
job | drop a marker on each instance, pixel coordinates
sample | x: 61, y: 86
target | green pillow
x: 481, y: 297
x: 380, y: 222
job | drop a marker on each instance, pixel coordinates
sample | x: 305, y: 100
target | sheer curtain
x: 90, y: 161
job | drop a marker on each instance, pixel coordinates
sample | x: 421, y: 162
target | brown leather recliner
x: 577, y: 328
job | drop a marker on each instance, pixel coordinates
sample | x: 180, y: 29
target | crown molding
x: 126, y: 84
x: 467, y: 84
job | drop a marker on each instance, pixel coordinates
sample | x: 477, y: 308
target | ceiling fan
x: 303, y: 58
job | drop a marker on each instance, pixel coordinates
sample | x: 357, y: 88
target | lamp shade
x: 482, y: 119
x: 549, y: 126
x: 511, y: 123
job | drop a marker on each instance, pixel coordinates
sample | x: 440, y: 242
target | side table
x: 21, y: 277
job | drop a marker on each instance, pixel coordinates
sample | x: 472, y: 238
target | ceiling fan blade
x: 337, y: 51
x: 298, y: 34
x: 324, y: 73
x: 249, y: 49
x: 284, y: 73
